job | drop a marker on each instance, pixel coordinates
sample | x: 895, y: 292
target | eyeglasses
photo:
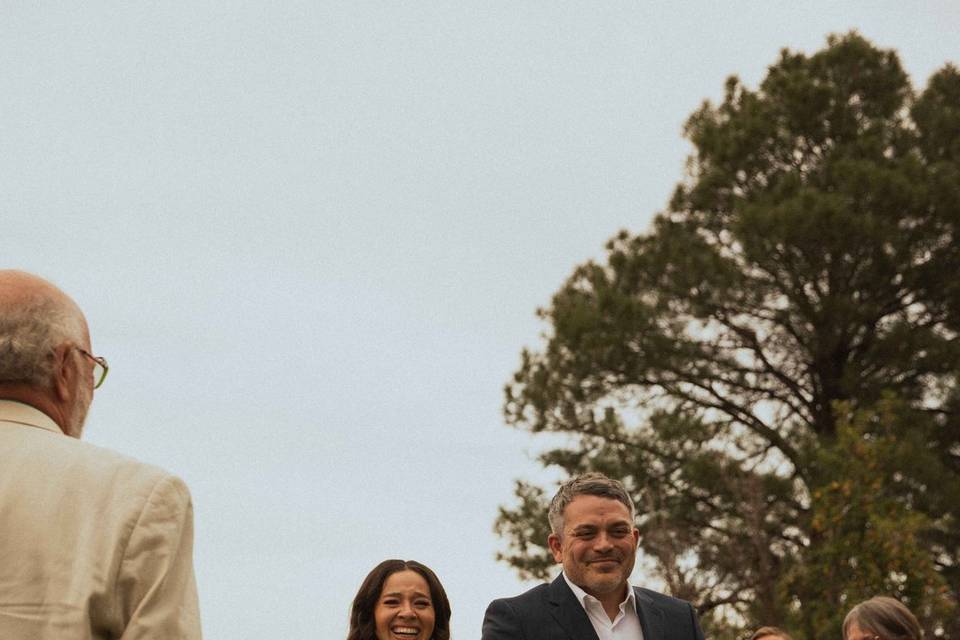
x: 100, y: 368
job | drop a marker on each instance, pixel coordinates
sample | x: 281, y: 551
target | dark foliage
x: 772, y: 368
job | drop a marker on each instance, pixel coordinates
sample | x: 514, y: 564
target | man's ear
x: 64, y: 373
x: 553, y: 541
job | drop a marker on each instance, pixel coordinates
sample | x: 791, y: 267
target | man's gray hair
x: 30, y: 332
x: 588, y: 484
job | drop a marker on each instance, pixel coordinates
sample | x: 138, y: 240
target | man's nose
x: 602, y: 542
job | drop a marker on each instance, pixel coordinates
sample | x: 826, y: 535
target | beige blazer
x: 93, y: 545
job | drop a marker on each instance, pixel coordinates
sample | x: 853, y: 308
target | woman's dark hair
x: 885, y: 617
x: 362, y: 623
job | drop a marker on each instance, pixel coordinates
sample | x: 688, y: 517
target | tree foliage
x: 868, y: 534
x: 751, y: 365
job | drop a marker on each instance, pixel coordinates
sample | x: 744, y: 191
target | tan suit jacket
x: 93, y: 545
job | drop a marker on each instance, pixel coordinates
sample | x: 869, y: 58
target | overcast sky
x: 310, y: 239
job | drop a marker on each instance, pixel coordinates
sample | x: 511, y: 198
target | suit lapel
x: 651, y: 618
x: 569, y: 613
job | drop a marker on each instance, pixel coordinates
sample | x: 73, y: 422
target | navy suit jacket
x: 552, y: 612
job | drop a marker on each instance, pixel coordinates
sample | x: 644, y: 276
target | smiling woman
x: 400, y: 600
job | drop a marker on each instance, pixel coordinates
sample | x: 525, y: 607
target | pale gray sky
x: 310, y: 238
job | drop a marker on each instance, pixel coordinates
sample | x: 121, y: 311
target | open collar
x: 569, y: 612
x: 582, y: 595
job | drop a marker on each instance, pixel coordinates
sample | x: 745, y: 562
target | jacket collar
x: 23, y: 414
x: 569, y: 612
x: 651, y: 617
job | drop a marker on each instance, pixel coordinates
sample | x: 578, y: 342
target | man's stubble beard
x: 609, y: 583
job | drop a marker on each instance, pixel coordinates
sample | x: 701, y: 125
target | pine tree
x: 750, y: 365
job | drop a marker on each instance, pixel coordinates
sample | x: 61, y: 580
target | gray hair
x: 30, y: 331
x: 588, y: 484
x: 886, y: 617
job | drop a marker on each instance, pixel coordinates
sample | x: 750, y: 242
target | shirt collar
x: 23, y: 414
x: 583, y: 595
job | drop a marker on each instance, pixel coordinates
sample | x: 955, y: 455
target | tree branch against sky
x: 794, y: 308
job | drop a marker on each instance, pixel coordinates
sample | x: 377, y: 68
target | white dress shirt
x: 626, y: 626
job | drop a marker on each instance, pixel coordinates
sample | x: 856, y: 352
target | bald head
x: 43, y: 337
x: 20, y: 285
x: 35, y: 318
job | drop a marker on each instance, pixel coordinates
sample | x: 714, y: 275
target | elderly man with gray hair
x: 593, y: 536
x: 92, y: 544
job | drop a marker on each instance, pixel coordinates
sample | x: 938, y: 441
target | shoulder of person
x: 532, y: 596
x: 663, y: 600
x: 113, y: 471
x: 536, y: 593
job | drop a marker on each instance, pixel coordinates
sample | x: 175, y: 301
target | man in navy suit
x: 593, y: 536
